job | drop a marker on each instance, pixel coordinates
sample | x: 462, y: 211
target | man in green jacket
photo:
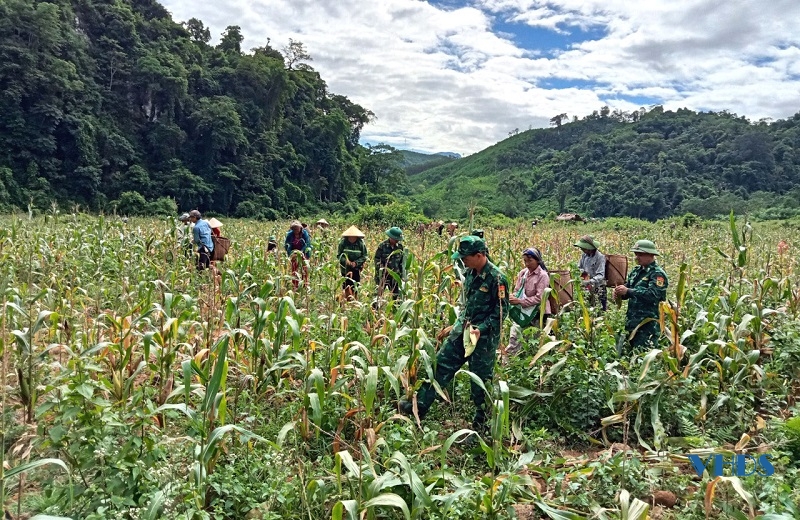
x: 644, y: 289
x: 475, y: 335
x: 389, y: 258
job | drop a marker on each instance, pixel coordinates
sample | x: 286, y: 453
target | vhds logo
x: 738, y: 463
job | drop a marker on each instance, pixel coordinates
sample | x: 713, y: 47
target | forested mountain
x: 645, y: 164
x: 114, y: 106
x: 111, y: 104
x: 415, y: 162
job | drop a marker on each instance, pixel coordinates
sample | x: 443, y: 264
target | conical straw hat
x: 214, y: 223
x: 323, y: 221
x: 353, y: 231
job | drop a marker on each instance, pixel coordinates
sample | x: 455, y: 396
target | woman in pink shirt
x: 535, y: 279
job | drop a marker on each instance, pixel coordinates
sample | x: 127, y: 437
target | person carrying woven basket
x: 593, y: 270
x: 528, y: 292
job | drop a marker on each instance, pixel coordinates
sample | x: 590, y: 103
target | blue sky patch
x: 546, y: 42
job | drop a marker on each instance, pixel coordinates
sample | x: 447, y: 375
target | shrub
x: 689, y: 219
x: 131, y: 203
x: 394, y: 214
x: 162, y: 206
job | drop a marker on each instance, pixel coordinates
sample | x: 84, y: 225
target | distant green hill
x: 415, y: 162
x: 646, y: 164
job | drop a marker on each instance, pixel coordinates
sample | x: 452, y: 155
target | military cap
x: 586, y: 242
x: 645, y: 246
x: 395, y: 232
x: 477, y: 232
x: 469, y: 245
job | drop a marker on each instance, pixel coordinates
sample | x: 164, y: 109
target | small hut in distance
x: 570, y: 217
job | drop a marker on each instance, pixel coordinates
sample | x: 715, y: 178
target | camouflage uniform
x: 353, y: 252
x: 389, y: 258
x: 647, y: 286
x: 486, y: 294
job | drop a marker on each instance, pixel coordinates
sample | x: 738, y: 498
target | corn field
x: 135, y: 387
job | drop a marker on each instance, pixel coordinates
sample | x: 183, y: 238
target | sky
x: 461, y: 75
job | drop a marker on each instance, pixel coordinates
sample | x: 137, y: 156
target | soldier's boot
x: 406, y: 407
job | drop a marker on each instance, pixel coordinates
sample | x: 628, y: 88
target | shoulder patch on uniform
x: 660, y: 281
x: 501, y: 291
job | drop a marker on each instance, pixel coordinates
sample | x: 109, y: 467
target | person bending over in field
x: 298, y: 247
x: 476, y: 334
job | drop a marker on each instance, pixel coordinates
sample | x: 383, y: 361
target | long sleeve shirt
x: 202, y: 235
x: 595, y: 267
x: 388, y: 257
x: 353, y: 252
x: 295, y: 243
x: 647, y: 286
x: 486, y: 293
x: 535, y: 284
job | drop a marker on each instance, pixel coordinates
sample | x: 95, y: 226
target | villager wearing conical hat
x: 298, y: 246
x: 644, y: 289
x: 390, y: 258
x: 593, y: 270
x: 215, y: 226
x: 322, y: 223
x: 352, y: 253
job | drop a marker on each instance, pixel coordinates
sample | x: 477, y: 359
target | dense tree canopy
x: 114, y: 105
x: 645, y: 164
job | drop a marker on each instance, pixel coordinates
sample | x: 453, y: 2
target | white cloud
x: 444, y: 79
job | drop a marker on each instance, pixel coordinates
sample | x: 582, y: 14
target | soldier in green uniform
x: 389, y: 258
x: 476, y: 334
x: 644, y: 289
x: 352, y: 254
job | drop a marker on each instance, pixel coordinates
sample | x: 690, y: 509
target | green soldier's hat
x: 477, y: 232
x: 586, y: 242
x: 469, y: 245
x: 395, y: 233
x: 645, y: 246
x: 272, y: 238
